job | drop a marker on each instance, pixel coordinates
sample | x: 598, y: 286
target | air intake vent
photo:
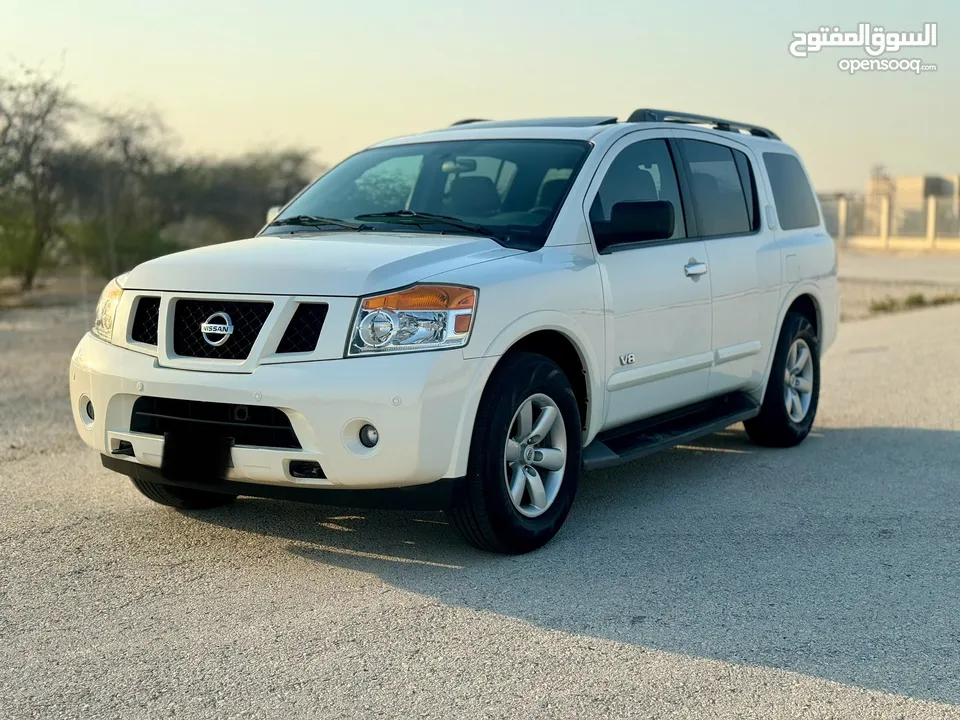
x: 249, y: 425
x: 303, y: 332
x: 146, y: 320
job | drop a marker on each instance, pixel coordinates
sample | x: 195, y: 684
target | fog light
x: 306, y: 469
x: 85, y: 408
x: 369, y: 436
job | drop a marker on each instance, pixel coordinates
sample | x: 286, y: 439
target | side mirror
x: 641, y: 221
x: 273, y: 212
x: 633, y: 222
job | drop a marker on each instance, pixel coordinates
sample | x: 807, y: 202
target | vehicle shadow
x: 838, y: 559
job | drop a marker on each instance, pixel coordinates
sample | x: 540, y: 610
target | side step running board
x: 622, y: 445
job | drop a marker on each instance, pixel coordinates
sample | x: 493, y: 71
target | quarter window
x: 796, y: 205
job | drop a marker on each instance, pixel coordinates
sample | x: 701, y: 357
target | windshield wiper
x: 416, y: 218
x: 318, y: 221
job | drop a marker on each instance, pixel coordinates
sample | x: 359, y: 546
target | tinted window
x: 749, y: 183
x: 718, y: 193
x: 642, y: 172
x: 796, y: 205
x: 513, y: 188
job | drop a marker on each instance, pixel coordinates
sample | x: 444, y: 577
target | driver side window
x: 639, y: 198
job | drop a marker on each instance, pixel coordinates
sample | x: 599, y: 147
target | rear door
x: 742, y: 255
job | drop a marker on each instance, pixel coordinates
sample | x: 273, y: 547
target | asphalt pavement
x: 714, y: 580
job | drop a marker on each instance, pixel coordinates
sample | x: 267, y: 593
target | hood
x: 347, y: 264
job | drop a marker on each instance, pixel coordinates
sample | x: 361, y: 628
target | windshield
x: 510, y: 190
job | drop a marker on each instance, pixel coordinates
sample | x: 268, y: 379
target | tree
x: 237, y: 192
x: 35, y: 114
x: 110, y: 187
x: 16, y: 234
x: 106, y: 185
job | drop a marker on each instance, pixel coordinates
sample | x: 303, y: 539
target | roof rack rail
x: 647, y: 115
x: 574, y: 121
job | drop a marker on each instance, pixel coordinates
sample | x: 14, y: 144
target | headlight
x: 423, y: 317
x: 107, y: 309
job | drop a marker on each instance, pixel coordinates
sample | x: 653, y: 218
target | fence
x: 878, y: 223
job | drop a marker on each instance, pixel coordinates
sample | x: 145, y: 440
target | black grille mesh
x: 303, y: 332
x: 247, y: 319
x: 146, y: 321
x: 252, y: 425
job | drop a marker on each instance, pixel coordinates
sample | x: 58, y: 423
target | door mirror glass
x: 273, y: 212
x: 639, y: 221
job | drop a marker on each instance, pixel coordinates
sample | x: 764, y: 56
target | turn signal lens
x: 423, y: 317
x: 425, y: 297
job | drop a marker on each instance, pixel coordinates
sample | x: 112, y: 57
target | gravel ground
x: 716, y: 580
x: 866, y: 277
x: 35, y: 349
x: 857, y: 295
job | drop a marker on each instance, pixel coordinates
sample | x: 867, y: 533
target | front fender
x: 578, y: 336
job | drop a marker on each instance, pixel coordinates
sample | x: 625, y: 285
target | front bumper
x: 438, y: 495
x: 422, y: 404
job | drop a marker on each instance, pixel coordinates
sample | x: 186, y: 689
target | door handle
x: 693, y: 269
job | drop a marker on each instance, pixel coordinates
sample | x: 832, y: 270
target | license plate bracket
x: 195, y: 457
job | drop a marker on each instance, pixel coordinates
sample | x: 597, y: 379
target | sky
x: 230, y: 76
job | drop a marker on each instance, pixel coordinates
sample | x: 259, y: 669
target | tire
x: 181, y: 497
x: 483, y: 509
x: 776, y: 425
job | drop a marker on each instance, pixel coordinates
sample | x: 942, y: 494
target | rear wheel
x: 524, y: 458
x: 793, y: 391
x: 181, y: 497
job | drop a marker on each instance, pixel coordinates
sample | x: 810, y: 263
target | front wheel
x: 793, y: 390
x: 181, y: 497
x: 524, y: 458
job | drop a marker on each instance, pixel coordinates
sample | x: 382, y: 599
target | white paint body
x: 691, y: 338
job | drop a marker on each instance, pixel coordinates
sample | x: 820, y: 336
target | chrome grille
x: 247, y: 319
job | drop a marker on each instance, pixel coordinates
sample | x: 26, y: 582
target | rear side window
x: 796, y: 205
x: 724, y: 195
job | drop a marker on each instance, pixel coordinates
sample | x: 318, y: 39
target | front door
x: 657, y: 292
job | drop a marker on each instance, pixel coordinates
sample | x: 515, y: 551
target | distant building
x: 908, y: 200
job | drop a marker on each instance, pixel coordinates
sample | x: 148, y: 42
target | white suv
x: 467, y: 318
